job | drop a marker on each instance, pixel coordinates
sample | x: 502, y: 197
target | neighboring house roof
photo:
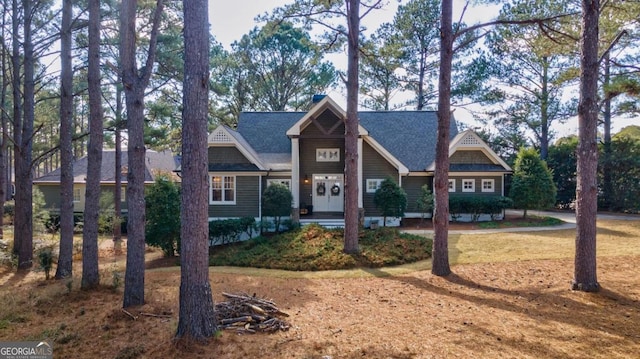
x: 156, y: 162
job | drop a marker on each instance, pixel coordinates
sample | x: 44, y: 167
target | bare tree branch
x: 369, y: 8
x: 512, y: 22
x: 612, y: 44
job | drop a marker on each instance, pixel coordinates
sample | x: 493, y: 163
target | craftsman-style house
x: 155, y: 163
x: 305, y: 152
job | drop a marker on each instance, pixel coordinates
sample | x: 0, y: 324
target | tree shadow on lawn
x: 356, y: 352
x: 606, y: 316
x: 9, y: 276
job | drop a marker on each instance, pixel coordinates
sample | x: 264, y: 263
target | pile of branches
x: 249, y: 314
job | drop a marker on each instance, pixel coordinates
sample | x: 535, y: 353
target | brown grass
x: 509, y: 297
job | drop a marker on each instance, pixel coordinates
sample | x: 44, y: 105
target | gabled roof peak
x: 316, y: 110
x: 220, y: 135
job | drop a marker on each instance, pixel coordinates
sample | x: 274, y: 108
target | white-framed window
x: 285, y: 182
x: 77, y: 194
x: 452, y: 185
x: 468, y: 185
x: 488, y: 185
x: 223, y: 190
x: 327, y: 154
x: 373, y: 185
x: 123, y: 194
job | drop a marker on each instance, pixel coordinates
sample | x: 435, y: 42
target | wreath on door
x: 321, y: 189
x: 335, y: 190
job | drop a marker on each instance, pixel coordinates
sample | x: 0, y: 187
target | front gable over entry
x: 326, y: 104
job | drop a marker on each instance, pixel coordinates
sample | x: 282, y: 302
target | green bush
x: 107, y: 215
x: 477, y: 206
x: 276, y: 203
x: 425, y: 201
x: 9, y: 208
x: 532, y: 186
x: 226, y: 231
x: 390, y: 199
x: 162, y: 227
x: 40, y: 214
x: 45, y: 259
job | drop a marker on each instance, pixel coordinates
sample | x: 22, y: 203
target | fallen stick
x: 129, y: 314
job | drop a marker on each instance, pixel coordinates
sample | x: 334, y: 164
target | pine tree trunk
x: 607, y: 184
x: 17, y: 123
x: 90, y: 274
x: 117, y: 226
x: 65, y: 256
x: 134, y: 275
x: 117, y: 195
x: 441, y: 178
x: 134, y: 103
x: 197, y: 319
x: 23, y: 227
x: 544, y: 111
x: 585, y: 277
x: 4, y: 147
x: 351, y: 215
x: 135, y: 82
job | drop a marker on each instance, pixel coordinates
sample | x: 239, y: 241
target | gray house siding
x: 374, y: 166
x: 497, y: 180
x: 413, y: 187
x: 226, y: 155
x: 247, y: 200
x: 464, y: 157
x: 52, y: 197
x: 308, y: 163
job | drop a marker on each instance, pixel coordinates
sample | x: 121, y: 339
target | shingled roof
x: 410, y: 136
x: 156, y: 162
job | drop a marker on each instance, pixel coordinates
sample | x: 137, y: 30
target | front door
x: 328, y: 193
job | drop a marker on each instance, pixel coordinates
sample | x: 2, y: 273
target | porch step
x: 326, y: 223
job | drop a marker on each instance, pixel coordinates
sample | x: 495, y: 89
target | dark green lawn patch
x: 314, y: 248
x: 530, y: 221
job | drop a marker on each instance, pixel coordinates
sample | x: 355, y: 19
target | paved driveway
x: 568, y: 217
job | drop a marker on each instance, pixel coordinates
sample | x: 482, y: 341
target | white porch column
x: 295, y: 172
x: 360, y: 174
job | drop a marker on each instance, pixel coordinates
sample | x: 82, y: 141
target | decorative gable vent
x: 221, y: 136
x: 470, y: 140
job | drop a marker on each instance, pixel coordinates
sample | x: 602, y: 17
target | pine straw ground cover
x: 510, y: 306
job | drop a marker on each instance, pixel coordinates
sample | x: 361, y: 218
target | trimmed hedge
x: 226, y: 231
x: 477, y: 206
